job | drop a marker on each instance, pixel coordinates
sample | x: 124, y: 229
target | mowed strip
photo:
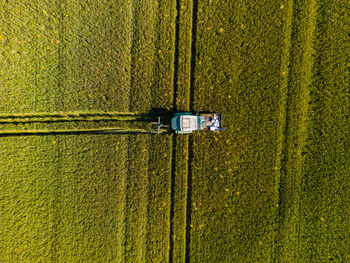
x: 234, y: 195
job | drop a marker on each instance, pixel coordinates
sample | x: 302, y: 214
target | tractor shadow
x: 164, y: 114
x: 154, y: 116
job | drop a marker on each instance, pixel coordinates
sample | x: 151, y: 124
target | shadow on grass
x: 70, y: 132
x: 152, y: 116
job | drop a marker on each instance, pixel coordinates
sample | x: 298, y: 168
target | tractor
x: 186, y: 122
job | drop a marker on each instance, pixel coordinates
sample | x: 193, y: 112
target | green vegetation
x: 273, y: 187
x: 325, y: 199
x: 235, y: 184
x: 70, y: 70
x: 262, y: 192
x: 184, y: 45
x: 299, y: 81
x: 180, y: 176
x: 59, y: 199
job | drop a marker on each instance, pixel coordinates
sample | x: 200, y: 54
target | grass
x: 234, y: 184
x: 95, y: 55
x: 184, y: 44
x: 182, y: 86
x: 69, y: 208
x: 29, y: 61
x: 86, y: 69
x: 180, y: 198
x: 158, y: 227
x: 325, y: 197
x: 297, y: 105
x: 252, y: 197
x: 273, y: 187
x: 59, y: 204
x: 137, y: 185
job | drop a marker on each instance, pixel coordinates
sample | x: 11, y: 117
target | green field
x: 273, y: 187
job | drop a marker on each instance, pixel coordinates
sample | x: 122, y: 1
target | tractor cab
x: 186, y: 122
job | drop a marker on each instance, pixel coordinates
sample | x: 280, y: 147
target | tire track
x: 143, y: 48
x: 193, y: 52
x: 295, y: 129
x: 54, y: 255
x: 172, y: 200
x: 190, y: 143
x: 173, y: 157
x: 73, y: 119
x: 107, y: 130
x: 72, y: 114
x: 176, y: 55
x: 181, y: 102
x: 189, y: 200
x: 285, y: 70
x: 128, y: 150
x: 325, y: 199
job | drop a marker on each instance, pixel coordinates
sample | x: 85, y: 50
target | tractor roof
x: 188, y: 123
